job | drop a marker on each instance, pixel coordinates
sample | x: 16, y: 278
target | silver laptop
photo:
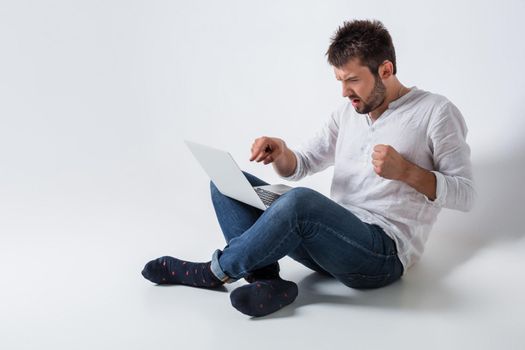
x: 230, y: 180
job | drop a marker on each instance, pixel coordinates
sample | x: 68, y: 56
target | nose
x: 346, y: 91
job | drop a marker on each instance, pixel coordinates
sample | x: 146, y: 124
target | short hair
x: 367, y: 40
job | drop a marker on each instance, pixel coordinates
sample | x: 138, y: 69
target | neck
x: 395, y: 91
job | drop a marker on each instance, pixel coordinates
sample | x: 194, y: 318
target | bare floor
x: 71, y: 280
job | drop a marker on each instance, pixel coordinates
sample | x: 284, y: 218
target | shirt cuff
x: 441, y: 190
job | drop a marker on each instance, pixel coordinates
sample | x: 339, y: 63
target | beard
x: 376, y: 98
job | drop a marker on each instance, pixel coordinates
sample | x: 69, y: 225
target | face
x: 365, y: 90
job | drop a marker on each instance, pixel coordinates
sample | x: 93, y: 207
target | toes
x: 263, y: 297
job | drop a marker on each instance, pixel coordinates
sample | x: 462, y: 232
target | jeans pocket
x: 360, y: 281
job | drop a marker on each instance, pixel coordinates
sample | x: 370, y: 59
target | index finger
x: 258, y: 148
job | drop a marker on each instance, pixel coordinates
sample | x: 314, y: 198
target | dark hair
x: 369, y: 41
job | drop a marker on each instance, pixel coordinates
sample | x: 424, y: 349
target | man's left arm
x: 451, y: 184
x: 388, y: 163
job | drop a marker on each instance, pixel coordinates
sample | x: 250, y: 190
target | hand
x: 267, y: 149
x: 388, y: 163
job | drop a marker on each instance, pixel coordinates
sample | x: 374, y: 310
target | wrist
x: 408, y: 172
x: 422, y: 180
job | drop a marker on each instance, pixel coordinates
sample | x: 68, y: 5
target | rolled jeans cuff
x: 217, y: 270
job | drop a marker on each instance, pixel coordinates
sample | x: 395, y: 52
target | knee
x: 301, y: 193
x: 300, y: 198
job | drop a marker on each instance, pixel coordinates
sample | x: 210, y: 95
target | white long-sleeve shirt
x: 426, y: 129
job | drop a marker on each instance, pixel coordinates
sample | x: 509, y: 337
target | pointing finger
x: 268, y: 160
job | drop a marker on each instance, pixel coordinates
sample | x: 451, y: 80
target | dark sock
x: 264, y: 273
x: 170, y: 270
x: 262, y: 297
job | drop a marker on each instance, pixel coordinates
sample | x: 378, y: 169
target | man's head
x: 364, y: 60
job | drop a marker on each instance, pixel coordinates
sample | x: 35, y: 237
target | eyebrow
x: 349, y: 78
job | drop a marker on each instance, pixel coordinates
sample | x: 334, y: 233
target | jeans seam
x: 353, y: 243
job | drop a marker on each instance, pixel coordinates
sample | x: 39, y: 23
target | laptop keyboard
x: 266, y: 196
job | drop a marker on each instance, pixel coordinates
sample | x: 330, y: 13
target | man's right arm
x: 315, y: 155
x: 274, y: 150
x: 286, y: 164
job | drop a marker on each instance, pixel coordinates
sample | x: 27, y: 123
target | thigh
x: 355, y: 264
x: 359, y: 254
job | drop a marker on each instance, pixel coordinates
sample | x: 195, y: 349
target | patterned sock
x: 170, y: 270
x: 264, y: 296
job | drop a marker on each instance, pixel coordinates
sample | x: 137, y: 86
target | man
x: 399, y: 156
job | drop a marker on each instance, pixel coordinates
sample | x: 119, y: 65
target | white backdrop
x: 97, y: 96
x: 94, y: 90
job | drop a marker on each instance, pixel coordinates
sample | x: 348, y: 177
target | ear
x: 386, y: 69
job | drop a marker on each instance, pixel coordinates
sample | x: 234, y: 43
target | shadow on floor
x: 456, y: 238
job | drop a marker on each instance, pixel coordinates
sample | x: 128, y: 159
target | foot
x: 266, y: 273
x: 170, y: 270
x: 263, y: 297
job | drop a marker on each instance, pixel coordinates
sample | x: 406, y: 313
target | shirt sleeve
x: 451, y: 155
x: 317, y: 153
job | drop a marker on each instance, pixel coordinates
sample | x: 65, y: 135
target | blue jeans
x: 308, y: 227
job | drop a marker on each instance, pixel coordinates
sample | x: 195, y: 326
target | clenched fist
x: 388, y: 163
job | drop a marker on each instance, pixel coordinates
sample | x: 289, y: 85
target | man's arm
x: 285, y: 165
x: 421, y: 180
x: 450, y: 184
x: 388, y: 163
x: 315, y: 155
x: 447, y: 134
x: 274, y: 150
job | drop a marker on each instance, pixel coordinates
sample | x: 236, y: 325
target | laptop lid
x: 225, y: 174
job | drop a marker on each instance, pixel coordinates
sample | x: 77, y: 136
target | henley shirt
x: 427, y: 130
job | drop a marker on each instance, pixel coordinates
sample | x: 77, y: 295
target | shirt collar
x: 396, y: 103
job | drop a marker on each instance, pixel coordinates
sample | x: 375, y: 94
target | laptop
x: 230, y: 180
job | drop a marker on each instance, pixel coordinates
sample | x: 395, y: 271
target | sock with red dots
x: 263, y: 296
x: 170, y: 270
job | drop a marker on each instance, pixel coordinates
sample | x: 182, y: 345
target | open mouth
x: 355, y: 102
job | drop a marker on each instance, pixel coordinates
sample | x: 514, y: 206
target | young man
x: 399, y: 154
